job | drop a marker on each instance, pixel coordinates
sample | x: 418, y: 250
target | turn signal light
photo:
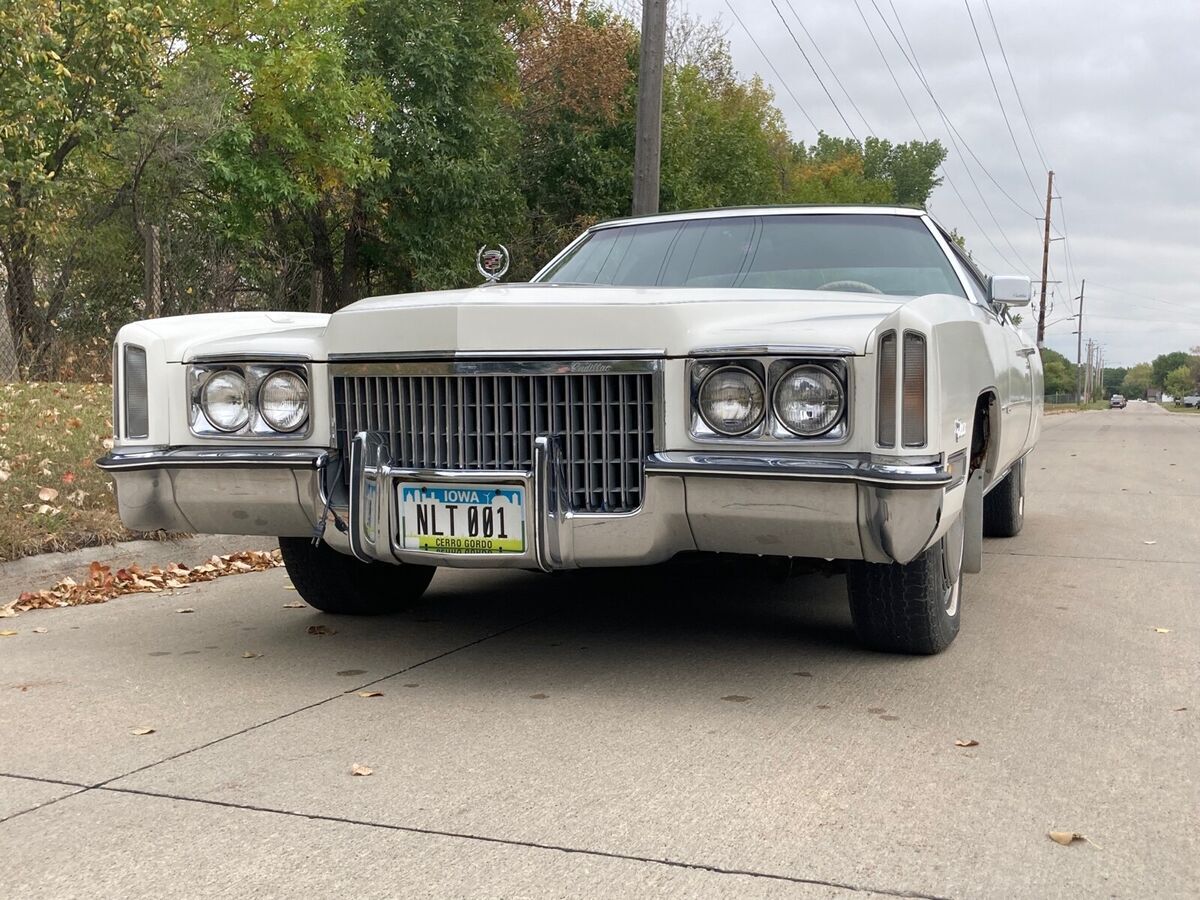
x: 912, y: 410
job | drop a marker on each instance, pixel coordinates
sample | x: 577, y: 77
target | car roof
x: 782, y: 210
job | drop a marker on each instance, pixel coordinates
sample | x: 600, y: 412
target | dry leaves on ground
x: 1162, y: 630
x: 102, y: 583
x: 370, y: 693
x: 1066, y: 838
x: 358, y: 769
x: 250, y: 654
x: 320, y: 629
x: 296, y: 605
x: 970, y: 742
x: 138, y: 732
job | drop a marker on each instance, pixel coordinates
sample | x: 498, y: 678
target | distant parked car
x: 1192, y: 400
x: 1117, y: 402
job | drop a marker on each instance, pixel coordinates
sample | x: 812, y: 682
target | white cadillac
x: 832, y: 383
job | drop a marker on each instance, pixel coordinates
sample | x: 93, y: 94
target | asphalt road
x: 680, y: 732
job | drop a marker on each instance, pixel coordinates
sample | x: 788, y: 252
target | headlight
x: 808, y: 400
x: 225, y: 401
x: 283, y: 400
x: 731, y: 401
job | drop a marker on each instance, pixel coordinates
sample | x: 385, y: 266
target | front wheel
x: 1004, y: 505
x: 342, y: 585
x: 912, y: 608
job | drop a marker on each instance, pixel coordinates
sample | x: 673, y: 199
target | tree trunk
x: 350, y: 289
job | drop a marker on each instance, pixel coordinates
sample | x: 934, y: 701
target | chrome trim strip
x: 524, y: 366
x: 249, y: 358
x: 774, y: 350
x: 186, y: 457
x: 488, y: 355
x: 853, y: 468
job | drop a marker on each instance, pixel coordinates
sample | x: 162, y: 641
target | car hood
x: 662, y: 321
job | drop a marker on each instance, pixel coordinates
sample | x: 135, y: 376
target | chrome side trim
x: 188, y: 457
x: 855, y: 468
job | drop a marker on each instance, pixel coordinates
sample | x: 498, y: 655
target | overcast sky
x: 1113, y: 94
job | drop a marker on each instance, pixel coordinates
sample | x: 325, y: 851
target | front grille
x: 603, y: 422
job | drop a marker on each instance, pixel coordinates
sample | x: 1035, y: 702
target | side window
x: 979, y: 293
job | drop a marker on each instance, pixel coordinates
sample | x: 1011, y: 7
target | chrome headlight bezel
x: 770, y: 365
x: 839, y: 394
x: 255, y: 374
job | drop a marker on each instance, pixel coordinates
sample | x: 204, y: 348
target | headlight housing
x: 225, y: 400
x: 731, y: 400
x: 283, y: 400
x: 808, y: 400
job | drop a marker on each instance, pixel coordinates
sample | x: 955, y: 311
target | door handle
x: 1027, y: 351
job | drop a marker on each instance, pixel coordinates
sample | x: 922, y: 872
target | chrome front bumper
x: 833, y: 506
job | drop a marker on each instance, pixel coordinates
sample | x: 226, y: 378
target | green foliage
x: 304, y: 153
x: 1060, y: 373
x: 1114, y: 377
x: 1137, y: 381
x: 1180, y: 381
x: 1165, y: 364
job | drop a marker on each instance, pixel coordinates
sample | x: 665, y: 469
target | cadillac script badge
x: 492, y: 264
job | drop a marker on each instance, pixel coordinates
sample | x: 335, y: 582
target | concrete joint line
x: 532, y: 845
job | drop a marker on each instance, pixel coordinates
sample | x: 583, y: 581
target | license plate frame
x: 467, y: 519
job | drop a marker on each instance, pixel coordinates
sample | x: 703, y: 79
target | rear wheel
x: 342, y: 585
x: 1004, y: 505
x: 912, y: 608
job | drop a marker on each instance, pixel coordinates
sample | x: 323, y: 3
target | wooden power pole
x: 1079, y: 348
x: 648, y: 144
x: 1041, y: 329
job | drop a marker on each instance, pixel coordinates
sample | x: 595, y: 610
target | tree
x: 1059, y: 373
x: 1137, y: 380
x: 1180, y: 382
x: 1113, y: 378
x: 1165, y: 364
x: 71, y: 72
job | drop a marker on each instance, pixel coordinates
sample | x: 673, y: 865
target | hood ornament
x: 492, y: 264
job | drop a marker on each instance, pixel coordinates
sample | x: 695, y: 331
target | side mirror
x: 1010, y: 290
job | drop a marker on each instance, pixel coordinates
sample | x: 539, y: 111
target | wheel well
x: 983, y: 433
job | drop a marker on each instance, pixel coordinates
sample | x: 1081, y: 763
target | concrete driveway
x: 684, y: 731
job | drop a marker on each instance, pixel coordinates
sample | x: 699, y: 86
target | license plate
x: 466, y: 518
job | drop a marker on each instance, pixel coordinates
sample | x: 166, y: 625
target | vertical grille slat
x: 603, y: 422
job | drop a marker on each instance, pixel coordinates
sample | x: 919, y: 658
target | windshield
x: 867, y: 253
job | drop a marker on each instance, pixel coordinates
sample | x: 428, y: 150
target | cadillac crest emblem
x: 492, y: 264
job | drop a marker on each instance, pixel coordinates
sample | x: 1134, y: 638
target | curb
x: 34, y: 573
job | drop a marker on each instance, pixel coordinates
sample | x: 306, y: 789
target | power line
x: 941, y: 168
x: 837, y: 80
x: 814, y: 70
x: 763, y: 54
x: 955, y: 138
x: 1020, y: 103
x: 915, y: 64
x: 999, y: 102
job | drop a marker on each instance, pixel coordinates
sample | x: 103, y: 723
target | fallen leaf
x: 370, y: 693
x: 546, y: 697
x: 296, y: 605
x: 251, y: 655
x: 186, y: 609
x: 39, y: 631
x: 7, y: 633
x: 358, y: 769
x: 1148, y: 543
x: 4, y: 476
x: 967, y: 743
x: 140, y: 731
x: 1162, y: 630
x: 47, y: 495
x: 320, y: 629
x: 1179, y: 709
x: 736, y: 698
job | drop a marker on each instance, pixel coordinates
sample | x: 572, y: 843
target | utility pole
x: 1079, y: 347
x: 1041, y: 329
x: 1087, y: 378
x: 648, y: 143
